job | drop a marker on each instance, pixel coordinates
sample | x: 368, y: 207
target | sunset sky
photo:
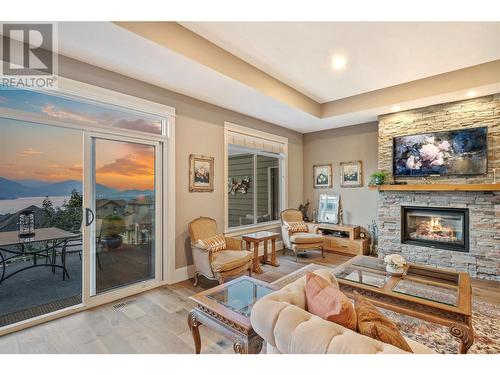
x: 35, y: 151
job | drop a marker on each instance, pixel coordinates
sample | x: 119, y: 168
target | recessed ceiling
x: 379, y: 54
x: 116, y: 48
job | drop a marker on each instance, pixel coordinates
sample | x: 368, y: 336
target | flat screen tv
x: 454, y: 152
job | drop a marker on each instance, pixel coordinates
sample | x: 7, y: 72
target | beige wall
x: 357, y: 142
x: 199, y: 130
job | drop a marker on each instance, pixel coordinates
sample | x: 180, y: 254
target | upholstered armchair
x: 217, y: 265
x: 300, y: 241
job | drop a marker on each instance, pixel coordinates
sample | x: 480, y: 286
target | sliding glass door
x: 41, y: 182
x: 85, y: 180
x: 124, y: 212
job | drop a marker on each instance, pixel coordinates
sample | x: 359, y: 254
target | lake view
x: 13, y: 205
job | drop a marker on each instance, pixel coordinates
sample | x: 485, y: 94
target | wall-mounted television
x: 446, y: 153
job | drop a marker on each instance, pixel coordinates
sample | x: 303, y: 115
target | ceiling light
x: 396, y: 108
x: 339, y: 62
x: 471, y: 94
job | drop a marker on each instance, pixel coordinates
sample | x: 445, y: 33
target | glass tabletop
x: 365, y: 270
x: 429, y: 284
x: 370, y: 262
x: 240, y: 296
x: 442, y: 293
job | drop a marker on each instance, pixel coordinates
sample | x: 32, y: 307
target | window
x: 255, y: 170
x: 80, y: 111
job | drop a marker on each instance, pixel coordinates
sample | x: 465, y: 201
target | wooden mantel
x: 437, y: 187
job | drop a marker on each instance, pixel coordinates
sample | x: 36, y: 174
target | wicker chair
x: 298, y: 242
x: 221, y: 264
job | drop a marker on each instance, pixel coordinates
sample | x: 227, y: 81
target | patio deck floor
x: 38, y: 291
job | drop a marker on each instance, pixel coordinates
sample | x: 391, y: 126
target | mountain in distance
x: 33, y: 184
x: 128, y: 194
x: 12, y: 189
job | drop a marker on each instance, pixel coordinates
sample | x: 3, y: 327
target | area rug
x: 485, y: 320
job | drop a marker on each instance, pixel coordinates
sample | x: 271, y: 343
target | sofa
x: 282, y: 320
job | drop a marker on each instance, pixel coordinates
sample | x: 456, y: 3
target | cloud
x: 127, y: 166
x: 30, y: 152
x: 104, y: 118
x: 77, y: 168
x: 140, y: 125
x: 52, y: 111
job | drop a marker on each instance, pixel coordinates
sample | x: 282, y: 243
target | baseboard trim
x: 187, y: 272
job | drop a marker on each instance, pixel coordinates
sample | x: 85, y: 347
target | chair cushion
x: 215, y: 243
x: 226, y: 260
x: 374, y: 324
x: 328, y: 302
x: 306, y: 238
x: 297, y: 227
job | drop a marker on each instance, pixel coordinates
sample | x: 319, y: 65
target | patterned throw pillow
x: 215, y: 243
x: 297, y: 227
x: 374, y: 324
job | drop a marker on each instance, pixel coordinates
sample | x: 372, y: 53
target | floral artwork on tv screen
x: 454, y: 152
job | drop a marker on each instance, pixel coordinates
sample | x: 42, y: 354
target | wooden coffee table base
x: 244, y: 342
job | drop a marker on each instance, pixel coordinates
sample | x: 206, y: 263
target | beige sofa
x: 281, y: 320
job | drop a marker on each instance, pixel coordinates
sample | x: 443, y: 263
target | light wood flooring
x: 155, y: 321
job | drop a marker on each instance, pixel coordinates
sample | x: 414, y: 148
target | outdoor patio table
x: 18, y: 248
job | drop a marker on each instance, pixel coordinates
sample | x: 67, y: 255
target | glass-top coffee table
x: 436, y: 295
x: 226, y: 309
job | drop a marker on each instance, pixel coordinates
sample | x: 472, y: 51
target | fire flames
x: 433, y: 229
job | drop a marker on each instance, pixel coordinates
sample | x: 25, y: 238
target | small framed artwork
x: 322, y: 174
x: 351, y: 173
x: 201, y: 173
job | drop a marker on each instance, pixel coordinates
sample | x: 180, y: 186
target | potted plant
x: 394, y: 264
x: 113, y: 227
x: 378, y: 178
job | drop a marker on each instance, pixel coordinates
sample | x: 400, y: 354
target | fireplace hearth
x: 437, y: 227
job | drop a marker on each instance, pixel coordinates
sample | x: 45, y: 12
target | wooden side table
x: 256, y: 238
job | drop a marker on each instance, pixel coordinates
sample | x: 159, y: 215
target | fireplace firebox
x: 437, y: 227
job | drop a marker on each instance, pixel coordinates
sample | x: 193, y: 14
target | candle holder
x: 26, y: 224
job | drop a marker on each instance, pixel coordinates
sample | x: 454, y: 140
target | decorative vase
x: 378, y: 180
x: 396, y: 271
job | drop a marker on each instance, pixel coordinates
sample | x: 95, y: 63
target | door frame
x: 78, y: 90
x: 89, y: 199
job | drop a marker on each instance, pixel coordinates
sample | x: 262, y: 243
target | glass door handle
x: 89, y: 216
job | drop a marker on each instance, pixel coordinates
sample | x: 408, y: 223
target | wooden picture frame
x: 351, y: 173
x: 322, y: 176
x: 201, y: 173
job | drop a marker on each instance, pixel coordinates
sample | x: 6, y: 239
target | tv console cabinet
x: 348, y: 243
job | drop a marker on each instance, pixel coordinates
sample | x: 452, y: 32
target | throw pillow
x: 372, y: 323
x: 215, y: 243
x: 328, y: 302
x: 298, y: 226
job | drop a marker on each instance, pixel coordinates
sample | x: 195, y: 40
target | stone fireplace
x: 436, y: 227
x: 419, y: 224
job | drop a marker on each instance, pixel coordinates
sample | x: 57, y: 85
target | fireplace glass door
x: 445, y: 228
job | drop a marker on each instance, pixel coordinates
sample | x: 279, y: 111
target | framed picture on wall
x: 351, y: 173
x: 322, y: 175
x: 201, y: 173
